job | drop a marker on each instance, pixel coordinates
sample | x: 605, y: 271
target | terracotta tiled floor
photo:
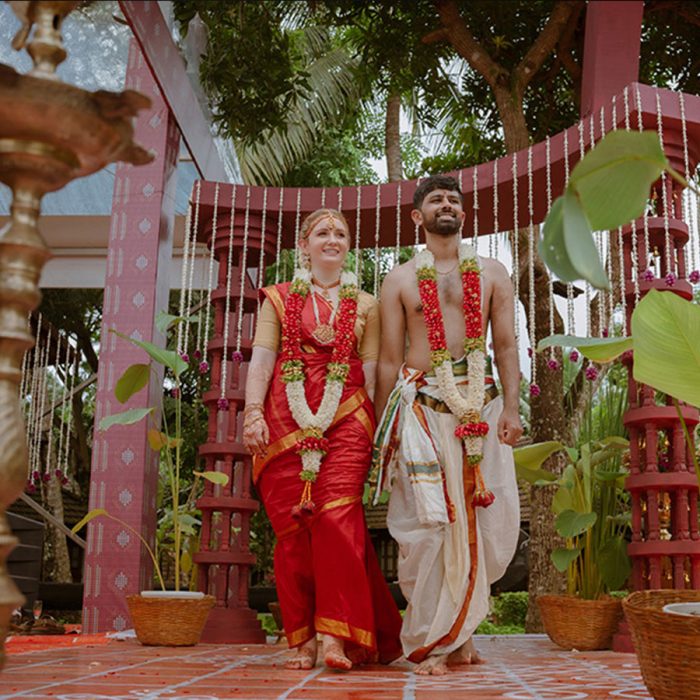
x: 527, y: 667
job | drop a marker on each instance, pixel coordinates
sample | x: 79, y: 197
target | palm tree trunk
x: 392, y: 138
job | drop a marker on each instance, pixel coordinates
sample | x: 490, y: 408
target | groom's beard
x: 443, y: 225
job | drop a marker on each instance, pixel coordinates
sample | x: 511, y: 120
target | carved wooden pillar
x: 665, y: 546
x: 224, y: 559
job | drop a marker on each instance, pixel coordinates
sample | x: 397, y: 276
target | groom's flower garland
x: 313, y: 446
x: 471, y: 429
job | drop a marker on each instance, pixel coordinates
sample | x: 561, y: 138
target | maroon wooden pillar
x: 665, y: 547
x: 224, y: 559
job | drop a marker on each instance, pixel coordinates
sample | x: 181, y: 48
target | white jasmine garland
x: 332, y: 391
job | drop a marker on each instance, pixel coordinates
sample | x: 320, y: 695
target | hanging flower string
x: 313, y: 445
x: 471, y: 429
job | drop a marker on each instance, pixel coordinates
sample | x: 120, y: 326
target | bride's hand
x: 256, y: 434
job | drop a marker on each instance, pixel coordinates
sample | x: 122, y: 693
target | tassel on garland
x: 483, y: 497
x: 305, y: 506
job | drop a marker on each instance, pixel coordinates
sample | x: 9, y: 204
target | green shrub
x: 510, y: 608
x: 487, y: 627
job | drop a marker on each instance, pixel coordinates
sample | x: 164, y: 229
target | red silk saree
x: 327, y: 575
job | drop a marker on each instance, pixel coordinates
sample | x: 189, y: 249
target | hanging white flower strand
x: 552, y: 363
x: 280, y: 210
x: 689, y: 211
x: 358, y: 250
x: 534, y: 386
x: 260, y: 278
x: 237, y: 355
x: 222, y: 403
x: 204, y: 364
x: 183, y: 276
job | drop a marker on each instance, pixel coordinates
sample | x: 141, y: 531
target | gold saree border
x: 300, y: 636
x: 331, y: 505
x: 338, y: 628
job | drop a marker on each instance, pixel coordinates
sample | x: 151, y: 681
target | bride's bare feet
x: 466, y: 654
x: 334, y: 653
x: 304, y: 658
x: 432, y: 666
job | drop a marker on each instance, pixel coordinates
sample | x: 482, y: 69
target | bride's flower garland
x: 471, y: 429
x: 313, y: 446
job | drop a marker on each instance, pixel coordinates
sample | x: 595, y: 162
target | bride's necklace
x: 325, y: 287
x: 324, y: 333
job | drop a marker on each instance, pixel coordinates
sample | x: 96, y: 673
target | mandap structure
x: 235, y: 231
x: 245, y: 228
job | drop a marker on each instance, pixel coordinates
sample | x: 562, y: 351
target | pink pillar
x: 124, y: 468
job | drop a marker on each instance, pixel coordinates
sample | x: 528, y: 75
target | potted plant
x: 590, y: 516
x: 664, y: 341
x: 165, y: 617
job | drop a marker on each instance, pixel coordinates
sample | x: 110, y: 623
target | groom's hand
x: 509, y: 427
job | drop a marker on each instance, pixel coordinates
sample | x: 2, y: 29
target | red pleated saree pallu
x: 326, y: 571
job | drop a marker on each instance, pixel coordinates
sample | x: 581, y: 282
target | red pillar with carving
x: 665, y: 547
x: 224, y: 559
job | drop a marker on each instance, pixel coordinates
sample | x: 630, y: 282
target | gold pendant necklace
x: 324, y: 333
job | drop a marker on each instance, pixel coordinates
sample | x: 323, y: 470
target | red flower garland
x: 474, y: 340
x: 293, y: 369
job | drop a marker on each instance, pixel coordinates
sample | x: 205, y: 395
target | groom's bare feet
x: 334, y: 653
x: 466, y: 654
x: 432, y: 666
x: 304, y: 658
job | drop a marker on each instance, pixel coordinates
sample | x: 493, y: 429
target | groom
x: 453, y: 543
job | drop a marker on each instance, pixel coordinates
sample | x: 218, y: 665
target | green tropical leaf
x: 615, y: 442
x: 596, y: 349
x: 167, y: 358
x: 552, y: 248
x: 614, y: 563
x: 94, y: 513
x: 613, y: 180
x: 580, y: 246
x: 536, y: 477
x: 563, y: 500
x: 605, y: 476
x: 569, y: 523
x: 533, y: 456
x: 165, y: 320
x: 218, y: 478
x: 133, y: 415
x: 666, y: 332
x: 562, y: 557
x: 131, y: 382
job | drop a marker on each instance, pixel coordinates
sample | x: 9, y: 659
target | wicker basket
x: 667, y: 645
x: 574, y: 623
x: 169, y: 622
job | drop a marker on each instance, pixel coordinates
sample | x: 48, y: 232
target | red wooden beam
x: 168, y: 69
